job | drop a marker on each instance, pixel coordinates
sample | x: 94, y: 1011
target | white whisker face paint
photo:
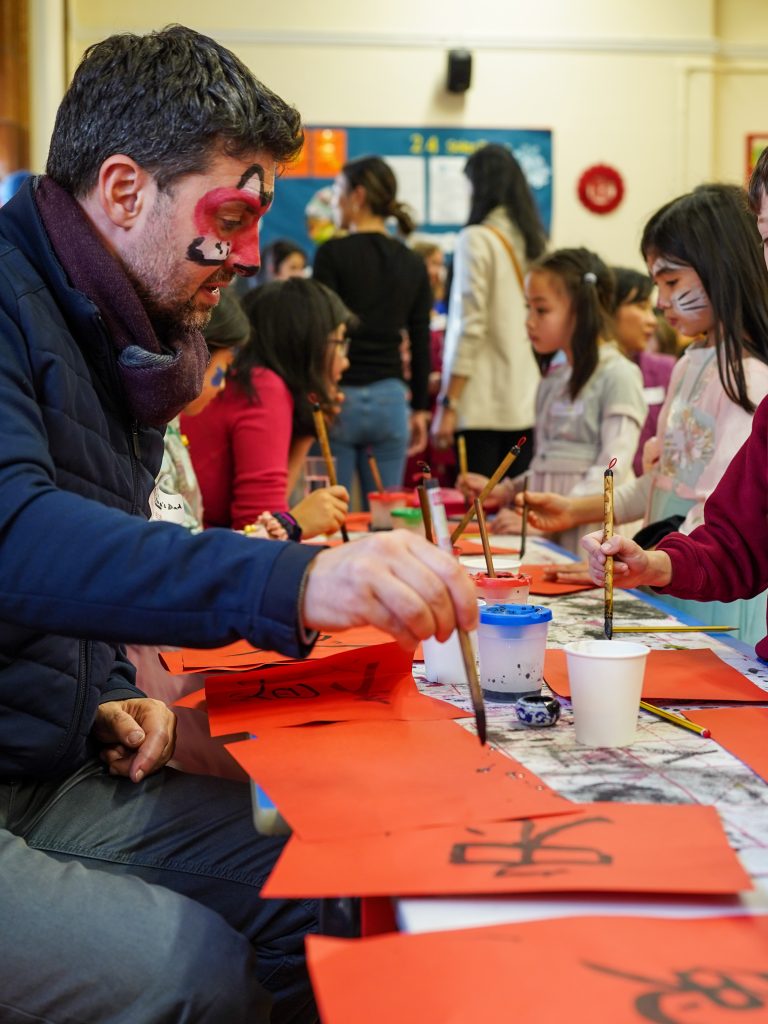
x: 681, y: 296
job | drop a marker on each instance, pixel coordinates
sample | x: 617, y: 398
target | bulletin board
x: 428, y: 162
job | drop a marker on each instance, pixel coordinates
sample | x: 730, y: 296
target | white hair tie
x: 590, y: 278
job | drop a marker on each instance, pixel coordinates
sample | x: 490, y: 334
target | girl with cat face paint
x: 703, y: 252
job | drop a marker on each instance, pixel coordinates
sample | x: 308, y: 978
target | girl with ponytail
x: 386, y: 286
x: 589, y: 405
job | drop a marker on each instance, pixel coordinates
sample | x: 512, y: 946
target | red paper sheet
x: 358, y: 521
x: 475, y: 547
x: 242, y: 656
x: 363, y: 778
x: 604, y: 847
x: 581, y: 970
x: 551, y: 588
x: 673, y: 675
x: 373, y: 684
x: 743, y: 731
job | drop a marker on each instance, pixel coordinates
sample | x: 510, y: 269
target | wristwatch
x: 448, y: 403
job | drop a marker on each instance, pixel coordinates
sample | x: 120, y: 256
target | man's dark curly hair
x: 171, y: 100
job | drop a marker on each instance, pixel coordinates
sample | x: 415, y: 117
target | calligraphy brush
x: 444, y: 541
x: 499, y: 472
x: 424, y: 501
x: 375, y: 472
x: 322, y: 437
x: 461, y: 448
x: 607, y: 534
x: 524, y: 527
x: 480, y: 516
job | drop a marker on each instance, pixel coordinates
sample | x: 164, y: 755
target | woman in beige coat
x: 490, y: 374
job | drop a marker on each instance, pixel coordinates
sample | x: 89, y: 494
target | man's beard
x: 169, y: 319
x: 154, y: 275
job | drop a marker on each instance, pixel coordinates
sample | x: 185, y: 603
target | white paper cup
x: 606, y: 680
x: 443, y: 663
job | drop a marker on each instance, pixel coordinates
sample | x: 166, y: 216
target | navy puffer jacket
x: 81, y: 570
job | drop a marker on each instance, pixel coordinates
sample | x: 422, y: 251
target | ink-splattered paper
x: 369, y: 684
x: 364, y: 778
x: 587, y: 970
x: 628, y: 848
x: 673, y: 675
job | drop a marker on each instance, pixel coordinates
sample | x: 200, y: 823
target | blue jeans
x: 139, y: 904
x: 374, y: 419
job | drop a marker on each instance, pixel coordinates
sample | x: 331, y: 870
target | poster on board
x: 429, y: 164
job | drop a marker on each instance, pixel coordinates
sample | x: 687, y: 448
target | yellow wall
x: 665, y: 91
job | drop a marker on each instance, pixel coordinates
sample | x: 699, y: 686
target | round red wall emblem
x: 601, y: 188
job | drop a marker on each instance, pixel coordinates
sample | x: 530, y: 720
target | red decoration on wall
x: 601, y: 188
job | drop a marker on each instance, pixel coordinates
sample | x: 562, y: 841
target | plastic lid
x: 502, y: 580
x: 386, y: 496
x: 515, y: 614
x: 413, y: 515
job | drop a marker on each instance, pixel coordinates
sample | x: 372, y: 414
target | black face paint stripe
x: 256, y: 169
x: 196, y: 256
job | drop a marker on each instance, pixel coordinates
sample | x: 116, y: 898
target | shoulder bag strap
x: 512, y: 254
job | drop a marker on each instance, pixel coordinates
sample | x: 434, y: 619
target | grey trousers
x: 139, y: 904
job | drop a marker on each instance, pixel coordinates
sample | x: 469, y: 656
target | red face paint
x: 227, y: 220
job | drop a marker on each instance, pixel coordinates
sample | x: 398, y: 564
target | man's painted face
x: 196, y: 236
x: 228, y: 222
x: 681, y: 296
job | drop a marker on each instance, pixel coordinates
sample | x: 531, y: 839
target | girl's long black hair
x: 290, y: 324
x: 713, y: 231
x: 498, y: 180
x: 590, y: 286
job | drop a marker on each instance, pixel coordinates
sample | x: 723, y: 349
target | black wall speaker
x: 459, y: 70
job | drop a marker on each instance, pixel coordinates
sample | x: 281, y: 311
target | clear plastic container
x: 381, y: 504
x: 512, y: 640
x: 444, y: 662
x: 503, y: 588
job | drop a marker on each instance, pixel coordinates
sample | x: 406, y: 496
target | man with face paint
x: 131, y: 892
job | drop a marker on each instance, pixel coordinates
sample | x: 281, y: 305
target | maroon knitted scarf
x: 159, y: 374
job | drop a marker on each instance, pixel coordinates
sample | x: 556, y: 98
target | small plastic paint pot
x: 381, y: 504
x: 503, y: 588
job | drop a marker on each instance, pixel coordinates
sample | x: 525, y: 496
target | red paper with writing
x: 372, y: 683
x: 241, y: 656
x: 606, y: 847
x: 580, y: 970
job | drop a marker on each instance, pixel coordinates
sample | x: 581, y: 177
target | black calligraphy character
x: 531, y: 850
x: 365, y: 690
x: 695, y: 989
x: 276, y: 693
